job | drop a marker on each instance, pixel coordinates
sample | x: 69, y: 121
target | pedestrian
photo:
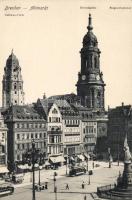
x: 46, y: 185
x: 67, y: 186
x: 83, y: 185
x: 93, y: 164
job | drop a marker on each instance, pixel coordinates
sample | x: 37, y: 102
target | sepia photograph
x: 66, y: 100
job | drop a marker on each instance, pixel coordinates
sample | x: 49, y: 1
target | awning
x: 71, y: 158
x: 23, y: 166
x: 81, y: 157
x: 87, y: 155
x: 3, y: 169
x: 57, y: 159
x: 47, y: 163
x: 36, y: 165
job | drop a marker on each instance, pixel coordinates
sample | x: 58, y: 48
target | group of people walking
x: 82, y: 185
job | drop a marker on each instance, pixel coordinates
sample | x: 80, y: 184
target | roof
x: 71, y: 98
x: 124, y: 111
x: 22, y: 112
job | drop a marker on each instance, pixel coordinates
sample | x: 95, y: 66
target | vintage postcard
x: 66, y: 96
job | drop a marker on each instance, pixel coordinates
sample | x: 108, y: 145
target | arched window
x: 92, y: 97
x: 14, y: 86
x: 54, y: 111
x: 95, y: 62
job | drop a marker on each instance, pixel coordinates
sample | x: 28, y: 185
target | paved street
x: 102, y: 176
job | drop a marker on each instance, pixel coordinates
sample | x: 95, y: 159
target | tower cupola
x: 90, y: 40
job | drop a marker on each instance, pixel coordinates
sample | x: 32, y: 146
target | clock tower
x: 12, y: 91
x: 90, y: 85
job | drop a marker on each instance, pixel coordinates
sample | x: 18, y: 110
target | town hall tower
x: 12, y: 91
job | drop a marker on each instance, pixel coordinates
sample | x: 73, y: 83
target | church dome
x: 90, y: 39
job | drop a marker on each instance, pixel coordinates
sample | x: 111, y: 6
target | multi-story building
x: 119, y: 125
x: 64, y: 125
x: 3, y: 145
x: 54, y: 128
x: 24, y: 124
x: 12, y: 92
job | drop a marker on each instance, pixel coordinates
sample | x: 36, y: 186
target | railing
x: 104, y: 191
x: 55, y: 132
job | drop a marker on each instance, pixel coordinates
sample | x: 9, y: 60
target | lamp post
x: 55, y: 187
x: 89, y: 181
x: 33, y: 167
x: 118, y: 156
x: 66, y: 164
x: 87, y: 164
x: 32, y: 157
x: 39, y: 182
x: 40, y: 167
x: 110, y: 158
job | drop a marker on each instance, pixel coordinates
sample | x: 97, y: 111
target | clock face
x: 83, y: 77
x: 98, y: 77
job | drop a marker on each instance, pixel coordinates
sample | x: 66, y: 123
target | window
x: 54, y: 111
x: 44, y: 135
x: 15, y: 86
x: 36, y: 135
x: 18, y: 136
x: 15, y: 92
x: 18, y: 146
x: 32, y: 135
x: 49, y: 119
x: 18, y: 157
x: 95, y: 62
x: 23, y: 136
x: 23, y: 146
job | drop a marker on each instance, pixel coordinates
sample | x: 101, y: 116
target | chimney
x: 122, y: 104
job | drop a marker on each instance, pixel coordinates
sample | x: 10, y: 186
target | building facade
x: 3, y: 142
x: 24, y: 124
x: 119, y: 125
x: 12, y: 84
x: 54, y: 128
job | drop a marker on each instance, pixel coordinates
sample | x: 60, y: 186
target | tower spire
x: 11, y: 51
x: 90, y: 27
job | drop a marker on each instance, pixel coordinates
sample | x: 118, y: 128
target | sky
x: 47, y: 44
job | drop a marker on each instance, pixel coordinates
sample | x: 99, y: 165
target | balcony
x: 54, y: 132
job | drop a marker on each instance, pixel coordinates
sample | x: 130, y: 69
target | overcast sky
x: 47, y: 44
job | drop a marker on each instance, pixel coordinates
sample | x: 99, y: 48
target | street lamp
x: 118, y: 156
x: 110, y: 157
x: 55, y: 187
x: 33, y: 169
x: 40, y: 167
x: 89, y: 181
x: 32, y: 157
x: 67, y: 162
x: 87, y: 164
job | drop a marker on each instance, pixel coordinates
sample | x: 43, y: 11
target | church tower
x: 12, y: 91
x: 90, y: 85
